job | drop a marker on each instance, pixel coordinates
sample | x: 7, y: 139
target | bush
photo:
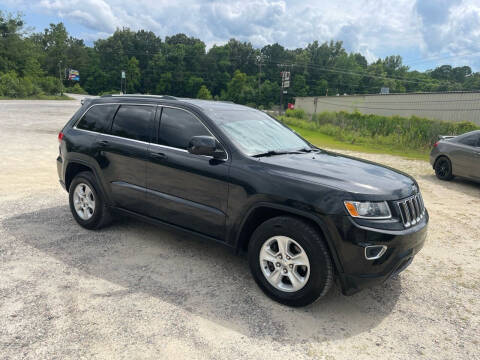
x: 110, y: 92
x: 50, y: 85
x: 296, y: 113
x: 9, y: 84
x: 13, y: 86
x: 402, y: 132
x: 76, y: 89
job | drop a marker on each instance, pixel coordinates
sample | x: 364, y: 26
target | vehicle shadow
x: 203, y: 278
x: 465, y: 186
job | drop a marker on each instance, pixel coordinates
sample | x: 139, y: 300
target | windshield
x: 256, y: 133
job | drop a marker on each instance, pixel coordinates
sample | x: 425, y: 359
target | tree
x: 181, y: 66
x: 204, y: 93
x: 239, y: 90
x: 133, y: 75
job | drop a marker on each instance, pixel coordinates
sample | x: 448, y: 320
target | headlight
x: 368, y: 210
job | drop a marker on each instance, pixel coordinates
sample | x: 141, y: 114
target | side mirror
x: 205, y: 145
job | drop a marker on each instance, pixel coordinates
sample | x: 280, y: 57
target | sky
x: 426, y: 33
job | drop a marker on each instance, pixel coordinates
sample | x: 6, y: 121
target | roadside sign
x: 286, y: 84
x: 123, y: 74
x: 73, y: 75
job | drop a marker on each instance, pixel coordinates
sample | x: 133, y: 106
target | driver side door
x: 183, y: 189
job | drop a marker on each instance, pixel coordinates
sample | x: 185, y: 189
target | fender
x: 319, y: 221
x: 92, y: 167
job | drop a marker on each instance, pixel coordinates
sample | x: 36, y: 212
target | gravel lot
x: 137, y: 291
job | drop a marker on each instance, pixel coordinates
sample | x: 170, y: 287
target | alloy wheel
x: 284, y: 263
x: 84, y: 201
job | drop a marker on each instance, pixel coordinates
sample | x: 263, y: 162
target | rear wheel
x: 290, y: 262
x: 86, y: 203
x: 443, y: 168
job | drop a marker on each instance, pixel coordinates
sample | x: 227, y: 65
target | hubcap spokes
x: 84, y: 201
x: 284, y: 263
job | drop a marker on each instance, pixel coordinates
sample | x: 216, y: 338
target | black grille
x: 411, y: 209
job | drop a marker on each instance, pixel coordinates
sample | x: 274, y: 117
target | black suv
x: 237, y: 176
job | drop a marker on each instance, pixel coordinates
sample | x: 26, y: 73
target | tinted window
x: 177, y: 127
x: 97, y: 118
x: 470, y: 140
x: 133, y: 122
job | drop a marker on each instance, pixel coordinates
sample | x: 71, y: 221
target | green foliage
x: 204, y: 93
x: 296, y: 113
x: 412, y: 133
x: 180, y: 65
x: 13, y: 86
x: 239, y: 89
x: 76, y: 89
x: 109, y: 92
x: 50, y: 85
x: 133, y: 75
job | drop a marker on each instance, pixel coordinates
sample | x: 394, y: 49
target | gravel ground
x: 137, y: 291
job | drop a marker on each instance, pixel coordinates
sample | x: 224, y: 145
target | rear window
x: 133, y: 122
x: 470, y: 140
x: 97, y: 118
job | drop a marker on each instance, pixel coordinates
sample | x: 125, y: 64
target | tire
x: 299, y: 237
x: 93, y: 213
x: 443, y: 168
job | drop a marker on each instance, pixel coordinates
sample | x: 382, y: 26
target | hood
x: 361, y: 178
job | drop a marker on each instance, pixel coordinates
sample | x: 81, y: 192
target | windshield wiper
x: 273, y: 152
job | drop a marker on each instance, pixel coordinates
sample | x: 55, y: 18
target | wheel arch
x: 77, y: 166
x: 262, y: 212
x: 443, y: 155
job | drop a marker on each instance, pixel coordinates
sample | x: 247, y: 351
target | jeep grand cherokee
x: 305, y: 216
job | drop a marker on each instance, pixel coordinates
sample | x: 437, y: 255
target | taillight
x: 435, y: 145
x: 60, y: 137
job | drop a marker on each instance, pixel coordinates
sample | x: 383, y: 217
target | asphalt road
x: 134, y: 290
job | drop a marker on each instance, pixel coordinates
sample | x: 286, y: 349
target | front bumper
x: 359, y: 273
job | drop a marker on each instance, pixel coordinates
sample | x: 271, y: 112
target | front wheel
x: 290, y: 261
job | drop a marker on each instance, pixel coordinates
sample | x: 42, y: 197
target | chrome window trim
x: 150, y: 143
x: 114, y: 136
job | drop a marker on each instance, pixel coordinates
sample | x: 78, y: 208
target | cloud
x: 450, y: 27
x: 375, y: 28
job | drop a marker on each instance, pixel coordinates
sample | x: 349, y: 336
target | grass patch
x: 38, y: 97
x: 411, y: 137
x: 328, y: 141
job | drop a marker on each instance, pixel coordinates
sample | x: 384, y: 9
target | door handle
x: 103, y: 143
x: 158, y: 155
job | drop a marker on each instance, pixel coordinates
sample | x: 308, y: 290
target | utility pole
x: 259, y: 62
x: 60, y: 77
x: 285, y: 83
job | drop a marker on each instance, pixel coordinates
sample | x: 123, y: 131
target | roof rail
x: 165, y: 97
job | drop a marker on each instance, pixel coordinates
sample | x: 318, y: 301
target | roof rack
x: 165, y: 97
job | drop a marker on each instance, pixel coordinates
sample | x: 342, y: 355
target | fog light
x: 373, y: 252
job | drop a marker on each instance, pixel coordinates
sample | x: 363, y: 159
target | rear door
x: 124, y: 155
x: 184, y: 189
x: 465, y: 156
